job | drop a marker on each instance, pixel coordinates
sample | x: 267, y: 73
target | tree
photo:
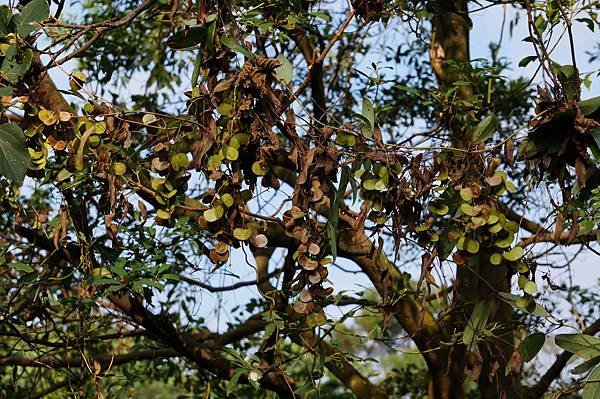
x: 265, y: 137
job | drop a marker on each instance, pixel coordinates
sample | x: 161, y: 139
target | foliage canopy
x: 398, y: 206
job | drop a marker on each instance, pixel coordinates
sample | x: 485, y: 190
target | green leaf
x: 466, y: 194
x: 5, y: 17
x: 179, y: 161
x: 15, y: 64
x: 214, y: 162
x: 6, y: 91
x: 530, y: 287
x: 316, y: 318
x: 192, y: 36
x: 586, y: 366
x: 34, y: 11
x: 335, y: 212
x: 472, y: 246
x: 213, y: 214
x: 149, y: 119
x: 495, y: 228
x: 467, y: 209
x: 438, y: 209
x: 119, y: 167
x: 589, y: 106
x: 370, y: 184
x: 568, y: 76
x: 100, y: 127
x: 583, y: 345
x: 485, y: 128
x: 325, y: 17
x: 514, y: 254
x: 368, y: 113
x: 227, y: 200
x: 331, y: 236
x: 477, y: 322
x: 236, y: 46
x: 231, y: 153
x: 525, y: 61
x: 515, y: 300
x: 504, y: 242
x: 242, y: 234
x: 496, y: 259
x: 374, y: 332
x: 269, y: 329
x: 258, y: 169
x: 162, y: 214
x: 595, y: 146
x: 531, y: 345
x: 592, y: 385
x: 284, y: 71
x: 14, y: 157
x: 24, y: 267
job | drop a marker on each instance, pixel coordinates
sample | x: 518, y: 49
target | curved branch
x: 317, y: 63
x: 231, y: 287
x: 100, y: 30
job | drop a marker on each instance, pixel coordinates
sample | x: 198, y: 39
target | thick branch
x: 389, y: 282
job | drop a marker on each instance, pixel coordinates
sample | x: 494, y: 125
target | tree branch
x: 106, y: 360
x: 231, y: 287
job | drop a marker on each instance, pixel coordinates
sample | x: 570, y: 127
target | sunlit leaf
x: 591, y: 389
x: 24, y: 267
x: 242, y: 234
x: 477, y: 322
x: 368, y: 113
x: 514, y: 254
x: 214, y: 214
x: 284, y: 71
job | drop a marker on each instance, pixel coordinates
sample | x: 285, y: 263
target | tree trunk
x: 444, y: 383
x: 478, y: 281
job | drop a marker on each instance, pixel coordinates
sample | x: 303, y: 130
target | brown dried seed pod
x: 316, y: 194
x: 296, y: 212
x: 315, y: 278
x: 221, y: 247
x: 306, y: 263
x: 313, y: 249
x: 300, y: 233
x: 259, y: 241
x: 216, y: 257
x: 323, y: 272
x: 306, y: 296
x: 302, y: 307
